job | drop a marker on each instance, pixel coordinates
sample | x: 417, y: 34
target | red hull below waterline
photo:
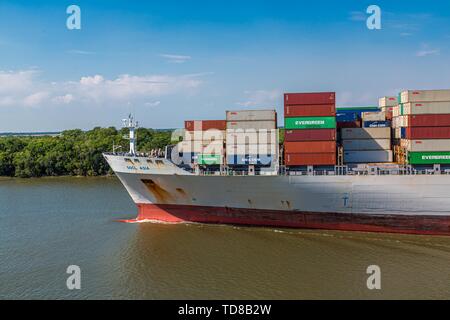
x: 408, y: 224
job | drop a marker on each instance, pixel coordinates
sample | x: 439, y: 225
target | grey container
x: 366, y: 144
x: 251, y: 115
x: 368, y: 156
x: 365, y: 133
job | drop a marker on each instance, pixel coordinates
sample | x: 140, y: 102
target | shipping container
x: 376, y: 124
x: 365, y: 133
x: 424, y: 96
x: 257, y: 125
x: 251, y: 136
x: 200, y: 147
x: 310, y: 123
x: 426, y: 120
x: 252, y: 115
x: 387, y: 102
x: 202, y: 125
x: 348, y: 124
x: 378, y: 156
x: 366, y: 144
x: 186, y: 158
x: 263, y: 149
x: 310, y: 98
x: 318, y: 110
x: 426, y: 145
x: 310, y: 135
x: 209, y: 159
x: 426, y: 108
x: 415, y: 133
x: 310, y: 147
x: 429, y: 157
x: 310, y: 159
x: 373, y: 116
x: 254, y: 159
x: 346, y: 117
x: 389, y: 115
x: 205, y: 136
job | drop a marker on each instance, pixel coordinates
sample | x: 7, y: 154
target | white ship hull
x: 417, y: 204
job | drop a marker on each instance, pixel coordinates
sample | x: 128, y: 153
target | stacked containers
x: 375, y: 120
x: 422, y: 126
x: 203, y: 142
x: 251, y: 137
x: 367, y: 145
x: 310, y: 124
x: 386, y: 105
x: 350, y: 117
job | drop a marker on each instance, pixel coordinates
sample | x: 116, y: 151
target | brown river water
x: 48, y: 224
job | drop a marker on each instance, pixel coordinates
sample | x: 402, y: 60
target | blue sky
x: 168, y: 61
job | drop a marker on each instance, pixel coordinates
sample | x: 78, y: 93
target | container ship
x: 382, y: 168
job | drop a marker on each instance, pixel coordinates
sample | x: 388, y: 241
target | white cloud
x: 260, y: 98
x: 175, y: 58
x: 65, y: 99
x: 25, y: 88
x: 427, y: 50
x: 430, y: 52
x: 35, y: 99
x: 19, y: 81
x: 81, y: 52
x: 152, y: 104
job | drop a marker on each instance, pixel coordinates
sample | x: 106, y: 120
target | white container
x: 387, y: 102
x: 257, y: 125
x: 368, y: 156
x: 426, y: 108
x: 373, y: 116
x: 366, y: 144
x: 424, y: 95
x: 262, y: 149
x: 398, y: 133
x: 252, y: 115
x: 396, y: 111
x: 365, y: 133
x: 205, y: 136
x: 251, y: 136
x: 428, y: 145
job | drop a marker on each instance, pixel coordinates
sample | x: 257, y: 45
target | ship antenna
x: 132, y: 126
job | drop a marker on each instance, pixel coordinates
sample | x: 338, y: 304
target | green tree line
x: 74, y: 152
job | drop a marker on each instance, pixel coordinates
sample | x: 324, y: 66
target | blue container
x: 376, y: 124
x: 346, y: 116
x: 240, y: 159
x: 403, y: 133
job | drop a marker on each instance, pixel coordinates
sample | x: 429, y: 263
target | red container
x: 310, y: 135
x: 203, y: 125
x: 310, y: 159
x: 310, y: 98
x: 308, y: 110
x: 414, y: 133
x: 389, y: 115
x: 429, y: 120
x: 310, y: 147
x: 348, y: 124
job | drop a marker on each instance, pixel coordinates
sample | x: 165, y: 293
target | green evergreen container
x: 209, y: 159
x: 310, y: 123
x: 439, y: 157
